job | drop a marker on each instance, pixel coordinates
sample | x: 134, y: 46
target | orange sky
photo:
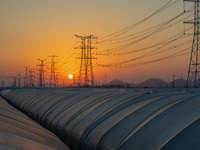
x: 32, y: 30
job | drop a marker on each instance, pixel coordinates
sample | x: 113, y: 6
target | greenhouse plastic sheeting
x: 106, y: 119
x: 17, y: 131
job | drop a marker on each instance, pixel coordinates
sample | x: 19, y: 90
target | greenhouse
x: 109, y: 119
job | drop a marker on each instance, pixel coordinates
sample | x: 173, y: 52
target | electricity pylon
x: 86, y: 68
x: 194, y: 66
x: 19, y: 79
x: 26, y: 76
x: 31, y: 77
x: 53, y: 74
x: 41, y: 73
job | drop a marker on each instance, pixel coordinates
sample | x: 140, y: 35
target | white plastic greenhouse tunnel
x: 100, y: 119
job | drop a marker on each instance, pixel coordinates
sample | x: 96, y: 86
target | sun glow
x: 70, y: 76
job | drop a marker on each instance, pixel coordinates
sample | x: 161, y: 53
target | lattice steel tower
x: 41, y: 73
x: 31, y: 77
x: 194, y: 66
x: 86, y: 75
x: 53, y: 74
x: 26, y: 76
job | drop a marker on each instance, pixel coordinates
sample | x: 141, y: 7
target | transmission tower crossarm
x: 78, y: 36
x: 79, y: 47
x: 86, y: 37
x: 189, y: 22
x: 41, y: 60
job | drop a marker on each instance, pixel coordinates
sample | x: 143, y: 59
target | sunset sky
x: 34, y: 29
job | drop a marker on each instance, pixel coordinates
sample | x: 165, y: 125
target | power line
x: 149, y: 30
x: 125, y: 30
x: 160, y: 44
x: 161, y: 27
x: 174, y: 55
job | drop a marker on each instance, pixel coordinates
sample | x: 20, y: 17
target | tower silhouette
x: 19, y: 79
x: 41, y: 73
x: 194, y: 66
x: 53, y: 74
x: 86, y: 75
x: 31, y: 77
x: 26, y: 76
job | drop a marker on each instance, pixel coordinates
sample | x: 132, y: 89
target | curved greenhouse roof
x: 106, y: 119
x: 17, y: 131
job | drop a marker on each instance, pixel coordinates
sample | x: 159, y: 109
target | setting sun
x: 70, y: 76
